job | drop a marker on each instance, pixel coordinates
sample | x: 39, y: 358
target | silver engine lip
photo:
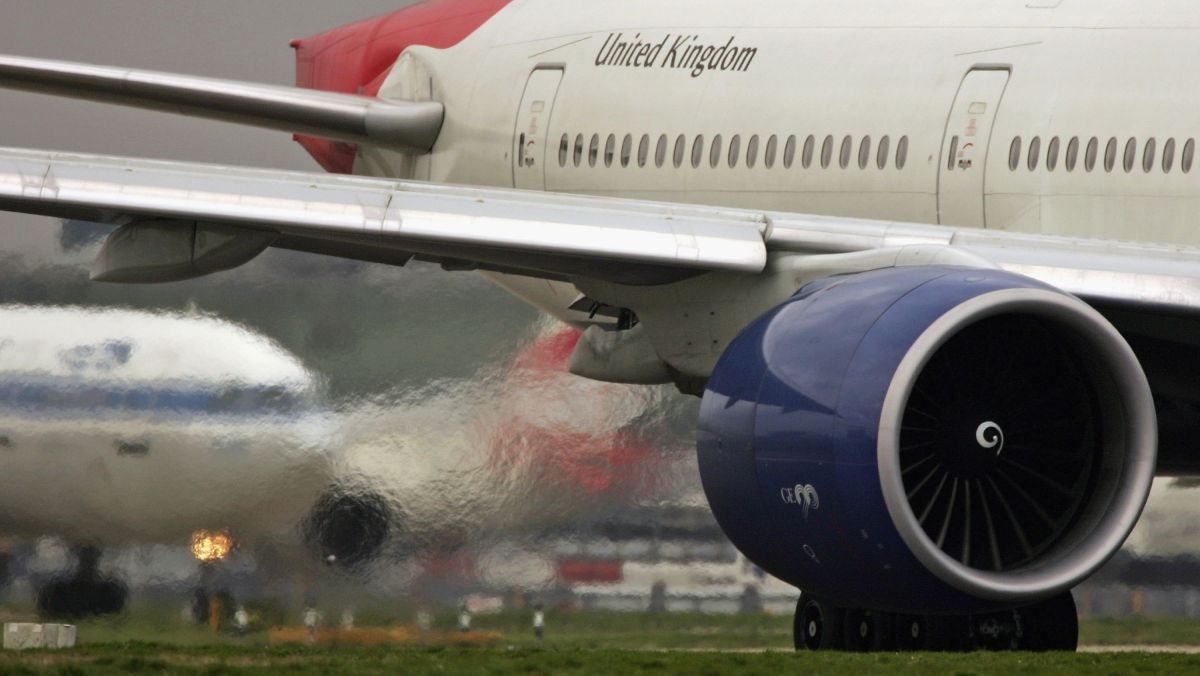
x: 1040, y: 578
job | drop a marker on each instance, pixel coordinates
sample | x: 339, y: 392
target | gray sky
x: 241, y: 39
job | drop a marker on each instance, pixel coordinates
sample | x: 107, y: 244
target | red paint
x: 590, y: 572
x: 549, y: 353
x: 355, y: 59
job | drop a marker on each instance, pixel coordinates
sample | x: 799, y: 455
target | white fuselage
x: 1105, y: 88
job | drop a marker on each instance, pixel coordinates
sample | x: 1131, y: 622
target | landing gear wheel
x: 910, y: 632
x: 1052, y: 624
x: 861, y: 630
x: 817, y: 625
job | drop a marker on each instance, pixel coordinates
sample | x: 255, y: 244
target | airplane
x: 125, y: 427
x: 929, y: 265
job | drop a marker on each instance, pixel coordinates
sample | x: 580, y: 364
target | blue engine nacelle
x: 928, y: 439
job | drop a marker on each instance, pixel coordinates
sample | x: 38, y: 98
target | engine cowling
x: 928, y: 439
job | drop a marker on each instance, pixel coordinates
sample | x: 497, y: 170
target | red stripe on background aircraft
x: 931, y: 266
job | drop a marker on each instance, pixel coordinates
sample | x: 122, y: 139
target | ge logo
x: 803, y: 495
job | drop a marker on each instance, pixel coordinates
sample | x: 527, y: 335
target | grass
x: 152, y: 658
x: 580, y: 643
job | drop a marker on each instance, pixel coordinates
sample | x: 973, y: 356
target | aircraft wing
x: 541, y: 234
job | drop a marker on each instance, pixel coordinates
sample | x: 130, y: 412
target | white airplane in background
x: 904, y: 251
x: 124, y: 427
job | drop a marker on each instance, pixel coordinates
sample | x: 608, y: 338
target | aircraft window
x: 610, y: 149
x: 1110, y: 155
x: 643, y: 150
x: 826, y: 152
x: 578, y: 150
x: 1093, y: 151
x: 1035, y: 153
x: 752, y: 152
x: 1130, y: 154
x: 698, y: 151
x: 521, y: 150
x: 680, y: 150
x: 1168, y: 161
x: 714, y: 153
x: 789, y: 152
x: 881, y: 157
x: 626, y: 150
x: 1014, y: 154
x: 660, y: 152
x: 806, y: 157
x: 1148, y: 155
x: 735, y: 149
x: 771, y: 151
x: 1189, y: 153
x: 1072, y: 154
x: 847, y: 151
x: 1052, y: 154
x: 564, y: 149
x: 864, y: 152
x: 950, y: 155
x: 902, y: 152
x: 594, y: 150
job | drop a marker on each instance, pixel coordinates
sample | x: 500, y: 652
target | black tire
x: 910, y: 632
x: 1051, y: 625
x: 860, y: 630
x: 817, y: 625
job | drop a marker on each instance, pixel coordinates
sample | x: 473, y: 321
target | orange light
x: 211, y: 546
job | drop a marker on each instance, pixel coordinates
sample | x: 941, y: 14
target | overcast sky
x: 241, y: 39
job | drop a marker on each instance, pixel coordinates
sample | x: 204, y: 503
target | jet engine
x: 928, y: 439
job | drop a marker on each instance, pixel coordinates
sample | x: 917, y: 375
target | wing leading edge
x: 546, y: 235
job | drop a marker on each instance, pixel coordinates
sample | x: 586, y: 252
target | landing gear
x: 817, y: 625
x: 87, y: 593
x: 1048, y: 625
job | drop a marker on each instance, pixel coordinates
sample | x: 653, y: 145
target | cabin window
x: 846, y: 152
x: 643, y: 150
x: 789, y: 152
x: 680, y: 150
x: 881, y: 157
x: 735, y: 150
x: 827, y: 152
x: 864, y: 152
x: 1014, y: 154
x: 714, y: 153
x: 564, y: 149
x: 1189, y: 154
x: 1093, y: 152
x: 1148, y: 155
x: 660, y: 151
x: 1052, y: 154
x: 626, y: 150
x: 698, y: 151
x: 806, y: 157
x: 594, y: 150
x: 1110, y: 155
x: 752, y: 152
x: 770, y: 152
x: 610, y: 149
x: 1130, y: 155
x: 902, y: 152
x: 578, y: 156
x: 1035, y: 153
x: 1168, y: 159
x: 1072, y: 154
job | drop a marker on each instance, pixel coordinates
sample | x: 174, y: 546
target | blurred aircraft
x: 121, y: 427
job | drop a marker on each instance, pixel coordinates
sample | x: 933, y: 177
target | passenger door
x: 965, y: 146
x: 530, y: 139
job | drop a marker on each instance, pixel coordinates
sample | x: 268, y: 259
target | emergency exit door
x: 965, y: 147
x: 531, y: 138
